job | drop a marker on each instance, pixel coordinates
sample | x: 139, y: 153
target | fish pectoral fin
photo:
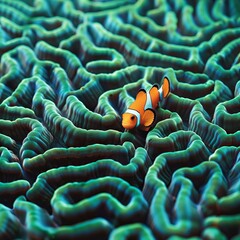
x: 165, y: 87
x: 148, y: 117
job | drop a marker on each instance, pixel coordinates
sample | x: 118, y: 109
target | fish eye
x: 132, y: 117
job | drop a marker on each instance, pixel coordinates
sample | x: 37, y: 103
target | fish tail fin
x: 165, y: 88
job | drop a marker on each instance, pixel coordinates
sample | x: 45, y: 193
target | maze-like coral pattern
x: 69, y: 69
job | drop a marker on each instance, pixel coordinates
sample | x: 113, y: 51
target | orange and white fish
x: 141, y: 112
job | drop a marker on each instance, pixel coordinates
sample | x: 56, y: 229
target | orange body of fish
x: 141, y: 112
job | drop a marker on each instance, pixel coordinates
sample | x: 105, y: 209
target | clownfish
x: 141, y: 112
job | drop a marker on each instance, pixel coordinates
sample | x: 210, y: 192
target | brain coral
x: 69, y: 70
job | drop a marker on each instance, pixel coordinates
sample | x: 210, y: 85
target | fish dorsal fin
x: 141, y: 94
x: 153, y: 92
x: 154, y: 89
x: 140, y: 101
x: 165, y: 87
x: 148, y: 117
x: 156, y: 85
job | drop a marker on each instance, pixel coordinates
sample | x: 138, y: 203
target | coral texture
x: 69, y: 69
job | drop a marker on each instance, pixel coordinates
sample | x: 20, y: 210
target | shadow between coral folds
x: 109, y: 197
x: 121, y: 161
x: 170, y: 215
x: 39, y: 224
x: 189, y: 151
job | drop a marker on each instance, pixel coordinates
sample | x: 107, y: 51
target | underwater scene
x: 120, y: 119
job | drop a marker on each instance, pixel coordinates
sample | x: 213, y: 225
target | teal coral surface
x: 69, y: 69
